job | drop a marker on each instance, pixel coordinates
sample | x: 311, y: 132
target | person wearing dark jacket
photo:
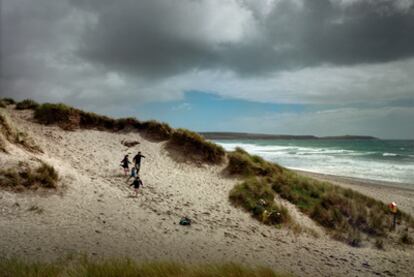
x: 125, y: 164
x: 137, y: 160
x: 136, y: 183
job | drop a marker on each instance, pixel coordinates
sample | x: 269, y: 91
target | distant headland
x: 236, y: 135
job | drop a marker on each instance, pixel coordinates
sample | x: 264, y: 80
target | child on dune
x: 133, y: 174
x: 137, y: 183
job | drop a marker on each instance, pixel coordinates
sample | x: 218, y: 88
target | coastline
x: 382, y: 190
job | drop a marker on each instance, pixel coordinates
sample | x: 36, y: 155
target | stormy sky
x: 322, y: 67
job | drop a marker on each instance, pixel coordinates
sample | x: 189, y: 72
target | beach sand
x: 93, y: 212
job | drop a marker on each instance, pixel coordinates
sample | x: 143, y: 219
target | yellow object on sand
x: 265, y: 215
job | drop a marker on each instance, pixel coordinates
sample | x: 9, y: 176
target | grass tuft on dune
x: 243, y: 164
x: 256, y: 196
x: 127, y: 267
x: 27, y: 104
x: 193, y: 146
x: 44, y: 176
x: 8, y: 132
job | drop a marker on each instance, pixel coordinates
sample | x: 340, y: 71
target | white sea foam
x: 332, y: 161
x: 390, y: 155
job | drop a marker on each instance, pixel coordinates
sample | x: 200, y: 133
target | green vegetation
x: 243, y: 164
x: 27, y: 104
x: 255, y: 194
x: 44, y: 176
x: 156, y: 130
x: 64, y: 116
x: 89, y: 120
x: 8, y: 101
x: 347, y: 214
x: 188, y: 143
x: 194, y: 146
x: 2, y: 104
x: 257, y: 197
x: 10, y: 133
x: 70, y: 118
x: 151, y: 129
x: 126, y: 267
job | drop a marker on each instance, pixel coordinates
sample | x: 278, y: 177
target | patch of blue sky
x: 203, y: 111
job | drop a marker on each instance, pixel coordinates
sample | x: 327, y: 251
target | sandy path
x: 96, y: 215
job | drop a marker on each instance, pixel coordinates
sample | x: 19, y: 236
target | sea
x: 378, y: 160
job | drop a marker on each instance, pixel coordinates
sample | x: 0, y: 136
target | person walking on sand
x: 125, y: 164
x: 137, y: 161
x: 133, y: 174
x: 137, y: 183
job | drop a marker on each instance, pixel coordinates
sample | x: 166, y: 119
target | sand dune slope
x: 93, y: 213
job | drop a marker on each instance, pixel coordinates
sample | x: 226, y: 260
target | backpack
x: 185, y: 221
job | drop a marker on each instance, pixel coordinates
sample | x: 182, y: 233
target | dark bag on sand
x: 185, y: 221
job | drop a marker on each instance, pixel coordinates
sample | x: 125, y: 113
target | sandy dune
x: 94, y: 213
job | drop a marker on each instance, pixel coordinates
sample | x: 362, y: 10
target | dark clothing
x: 125, y: 163
x: 137, y: 159
x: 137, y: 183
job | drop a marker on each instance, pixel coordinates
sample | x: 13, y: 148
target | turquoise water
x: 384, y: 160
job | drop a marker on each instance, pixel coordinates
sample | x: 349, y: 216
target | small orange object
x: 393, y: 207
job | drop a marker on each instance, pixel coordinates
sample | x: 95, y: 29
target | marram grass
x: 126, y: 268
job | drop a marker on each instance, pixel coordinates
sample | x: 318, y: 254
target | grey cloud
x: 111, y: 53
x: 161, y: 38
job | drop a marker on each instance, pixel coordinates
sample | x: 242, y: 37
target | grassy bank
x: 195, y: 147
x: 188, y: 143
x: 349, y: 216
x: 126, y: 267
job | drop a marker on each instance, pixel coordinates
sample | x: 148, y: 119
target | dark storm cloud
x: 162, y: 38
x: 159, y: 39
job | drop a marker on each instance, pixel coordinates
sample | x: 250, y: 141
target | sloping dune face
x: 93, y: 212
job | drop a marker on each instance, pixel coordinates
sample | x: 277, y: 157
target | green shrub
x: 156, y: 130
x: 66, y: 117
x: 43, y: 176
x: 93, y: 120
x: 27, y: 104
x: 257, y: 197
x: 8, y: 101
x: 126, y: 267
x: 243, y: 164
x: 3, y: 104
x: 194, y: 146
x: 128, y: 123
